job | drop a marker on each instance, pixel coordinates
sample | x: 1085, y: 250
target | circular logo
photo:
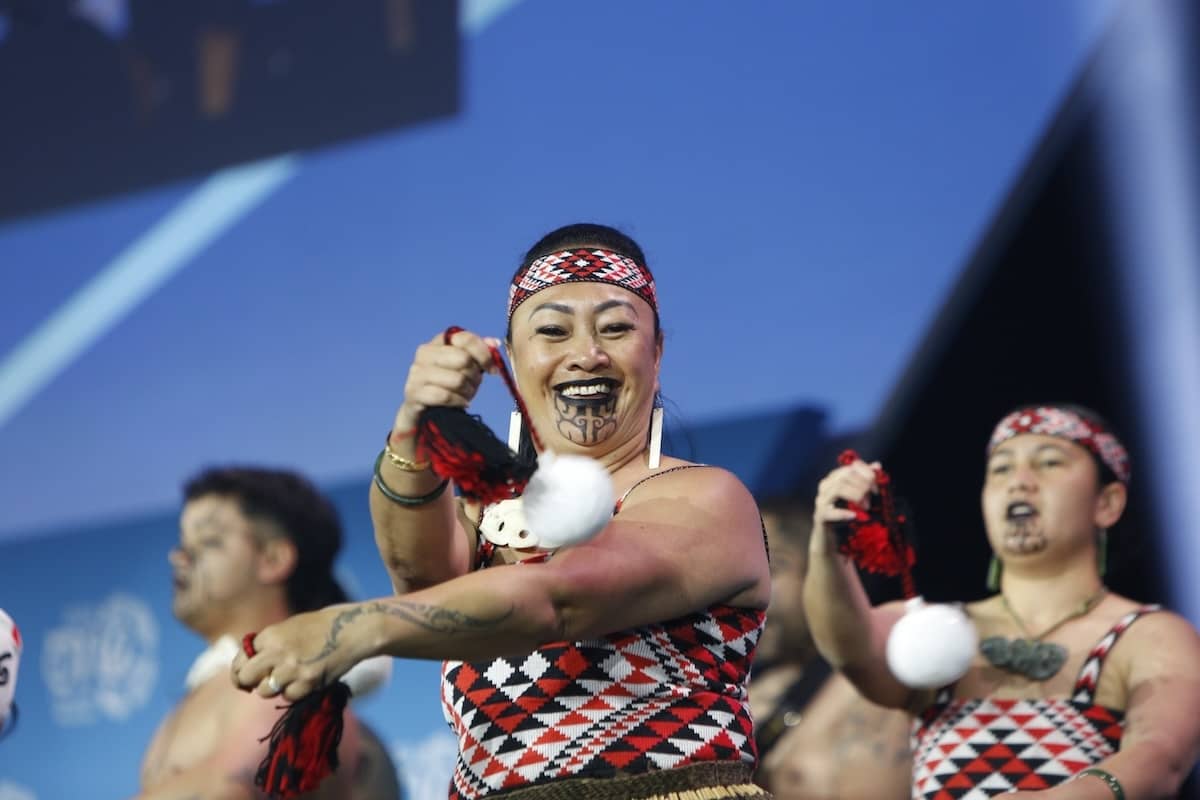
x: 102, y: 661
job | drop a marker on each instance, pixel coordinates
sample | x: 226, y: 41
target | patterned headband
x: 597, y: 266
x: 1051, y: 421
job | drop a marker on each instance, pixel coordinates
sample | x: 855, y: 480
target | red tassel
x: 870, y: 547
x: 461, y: 448
x: 303, y: 744
x: 877, y: 544
x: 303, y: 748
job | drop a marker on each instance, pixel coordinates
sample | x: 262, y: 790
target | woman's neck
x: 623, y: 458
x: 1041, y: 598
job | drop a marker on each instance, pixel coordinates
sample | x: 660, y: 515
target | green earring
x: 1102, y: 551
x: 993, y: 577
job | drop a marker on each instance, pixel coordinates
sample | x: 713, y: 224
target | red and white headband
x: 1052, y: 421
x: 585, y: 264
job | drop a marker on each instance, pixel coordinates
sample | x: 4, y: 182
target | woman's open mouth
x: 586, y: 409
x: 1020, y: 511
x: 598, y: 389
x: 595, y: 394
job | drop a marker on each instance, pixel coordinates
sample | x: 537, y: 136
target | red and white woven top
x: 975, y: 748
x: 657, y: 697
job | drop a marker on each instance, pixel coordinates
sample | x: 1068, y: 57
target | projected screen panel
x: 101, y: 97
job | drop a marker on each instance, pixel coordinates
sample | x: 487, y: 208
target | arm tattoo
x: 438, y: 619
x: 435, y: 619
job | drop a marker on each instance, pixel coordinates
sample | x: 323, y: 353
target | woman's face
x: 586, y: 357
x: 1041, y: 494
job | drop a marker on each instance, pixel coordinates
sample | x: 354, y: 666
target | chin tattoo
x: 585, y: 420
x: 1022, y: 538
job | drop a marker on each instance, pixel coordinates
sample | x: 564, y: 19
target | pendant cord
x: 1084, y: 607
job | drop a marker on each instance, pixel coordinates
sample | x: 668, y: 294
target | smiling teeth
x: 1021, y: 510
x: 589, y: 390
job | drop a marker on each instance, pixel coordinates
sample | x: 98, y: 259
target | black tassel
x: 460, y: 447
x: 304, y: 743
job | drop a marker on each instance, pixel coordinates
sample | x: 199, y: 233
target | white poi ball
x: 368, y: 675
x: 568, y: 500
x: 932, y: 645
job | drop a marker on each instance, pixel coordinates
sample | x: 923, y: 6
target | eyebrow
x: 607, y: 304
x: 553, y: 307
x: 600, y: 308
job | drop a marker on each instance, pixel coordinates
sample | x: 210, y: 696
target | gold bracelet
x: 400, y: 462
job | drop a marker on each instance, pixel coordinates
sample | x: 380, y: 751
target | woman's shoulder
x: 684, y: 492
x: 699, y: 480
x: 1154, y: 623
x: 1151, y: 643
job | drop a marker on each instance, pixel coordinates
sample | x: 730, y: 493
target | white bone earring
x: 514, y: 431
x: 656, y: 426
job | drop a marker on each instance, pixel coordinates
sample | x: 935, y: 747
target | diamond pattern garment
x: 658, y: 697
x: 975, y: 748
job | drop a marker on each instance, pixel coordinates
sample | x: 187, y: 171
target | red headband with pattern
x: 1052, y: 421
x: 590, y: 264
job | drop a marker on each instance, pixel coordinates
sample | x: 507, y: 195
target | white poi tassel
x: 932, y: 645
x: 568, y: 500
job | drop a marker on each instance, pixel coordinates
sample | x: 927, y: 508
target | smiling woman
x: 1075, y: 692
x: 607, y: 298
x: 614, y: 668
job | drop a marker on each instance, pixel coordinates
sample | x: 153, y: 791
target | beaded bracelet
x: 403, y: 499
x: 1109, y: 780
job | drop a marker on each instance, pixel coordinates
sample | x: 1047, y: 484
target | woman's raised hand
x: 444, y: 373
x: 852, y: 483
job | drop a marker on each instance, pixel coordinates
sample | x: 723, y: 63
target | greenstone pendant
x: 1035, y: 660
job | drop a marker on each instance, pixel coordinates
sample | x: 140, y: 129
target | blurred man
x: 817, y: 738
x: 256, y: 546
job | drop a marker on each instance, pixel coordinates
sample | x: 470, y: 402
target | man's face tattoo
x: 212, y: 566
x: 585, y: 420
x: 208, y: 537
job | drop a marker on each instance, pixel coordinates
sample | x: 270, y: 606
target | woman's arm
x: 682, y: 543
x: 425, y: 544
x: 850, y: 634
